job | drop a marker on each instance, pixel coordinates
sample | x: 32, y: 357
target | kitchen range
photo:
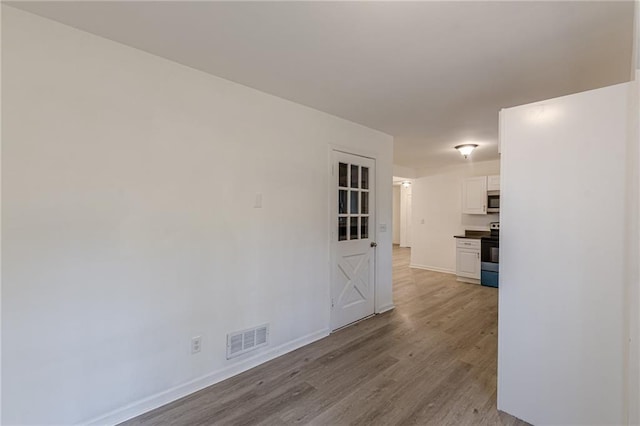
x: 490, y: 256
x: 478, y: 256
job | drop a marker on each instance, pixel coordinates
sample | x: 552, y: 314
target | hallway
x: 430, y: 361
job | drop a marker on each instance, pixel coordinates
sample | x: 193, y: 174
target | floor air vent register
x: 241, y: 342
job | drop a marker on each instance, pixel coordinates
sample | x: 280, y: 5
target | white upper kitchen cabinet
x: 493, y: 183
x: 474, y: 195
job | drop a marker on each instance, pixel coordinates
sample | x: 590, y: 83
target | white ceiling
x: 432, y: 74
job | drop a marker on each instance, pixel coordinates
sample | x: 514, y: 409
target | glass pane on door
x: 342, y: 228
x: 342, y: 201
x: 354, y: 176
x: 364, y: 228
x: 365, y: 178
x: 364, y: 209
x: 342, y: 175
x: 354, y: 229
x: 354, y: 202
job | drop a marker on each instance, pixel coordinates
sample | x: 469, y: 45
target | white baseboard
x: 147, y: 404
x: 468, y: 280
x: 385, y: 308
x: 432, y: 268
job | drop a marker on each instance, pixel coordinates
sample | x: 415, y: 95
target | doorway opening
x: 402, y: 211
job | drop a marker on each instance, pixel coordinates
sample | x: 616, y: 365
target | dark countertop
x: 474, y: 235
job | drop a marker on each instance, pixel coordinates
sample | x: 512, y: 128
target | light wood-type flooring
x: 430, y: 361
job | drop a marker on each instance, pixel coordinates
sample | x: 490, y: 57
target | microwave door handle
x: 484, y: 209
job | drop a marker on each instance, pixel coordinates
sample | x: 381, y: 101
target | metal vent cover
x: 240, y: 342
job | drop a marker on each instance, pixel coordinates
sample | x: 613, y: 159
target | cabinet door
x: 468, y: 263
x: 493, y: 183
x: 474, y: 195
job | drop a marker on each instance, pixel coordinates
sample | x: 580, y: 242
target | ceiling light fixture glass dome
x: 466, y: 148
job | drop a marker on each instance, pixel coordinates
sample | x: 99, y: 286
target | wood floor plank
x: 336, y: 390
x: 430, y: 361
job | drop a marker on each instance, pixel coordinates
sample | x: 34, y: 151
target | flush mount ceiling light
x: 406, y: 183
x: 466, y: 149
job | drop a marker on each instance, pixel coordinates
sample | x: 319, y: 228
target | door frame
x: 333, y: 219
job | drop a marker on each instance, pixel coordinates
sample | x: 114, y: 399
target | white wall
x: 633, y: 295
x: 437, y: 214
x: 633, y: 242
x: 128, y: 223
x: 562, y: 293
x: 634, y: 235
x: 396, y: 214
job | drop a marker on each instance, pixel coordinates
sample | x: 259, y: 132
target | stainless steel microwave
x: 493, y: 201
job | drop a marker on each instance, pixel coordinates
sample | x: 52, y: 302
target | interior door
x: 353, y: 239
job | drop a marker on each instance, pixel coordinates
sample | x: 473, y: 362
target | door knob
x: 374, y: 244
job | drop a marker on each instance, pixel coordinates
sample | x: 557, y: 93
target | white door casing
x: 353, y: 228
x: 405, y: 218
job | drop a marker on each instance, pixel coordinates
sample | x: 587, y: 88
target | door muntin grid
x: 353, y: 202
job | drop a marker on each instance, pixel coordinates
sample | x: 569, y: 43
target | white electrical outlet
x: 196, y: 344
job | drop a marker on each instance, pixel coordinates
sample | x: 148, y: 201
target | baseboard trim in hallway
x: 432, y: 268
x: 160, y: 399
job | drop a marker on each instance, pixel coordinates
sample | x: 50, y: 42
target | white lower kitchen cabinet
x: 468, y: 260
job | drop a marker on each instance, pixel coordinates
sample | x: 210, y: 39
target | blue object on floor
x: 489, y: 278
